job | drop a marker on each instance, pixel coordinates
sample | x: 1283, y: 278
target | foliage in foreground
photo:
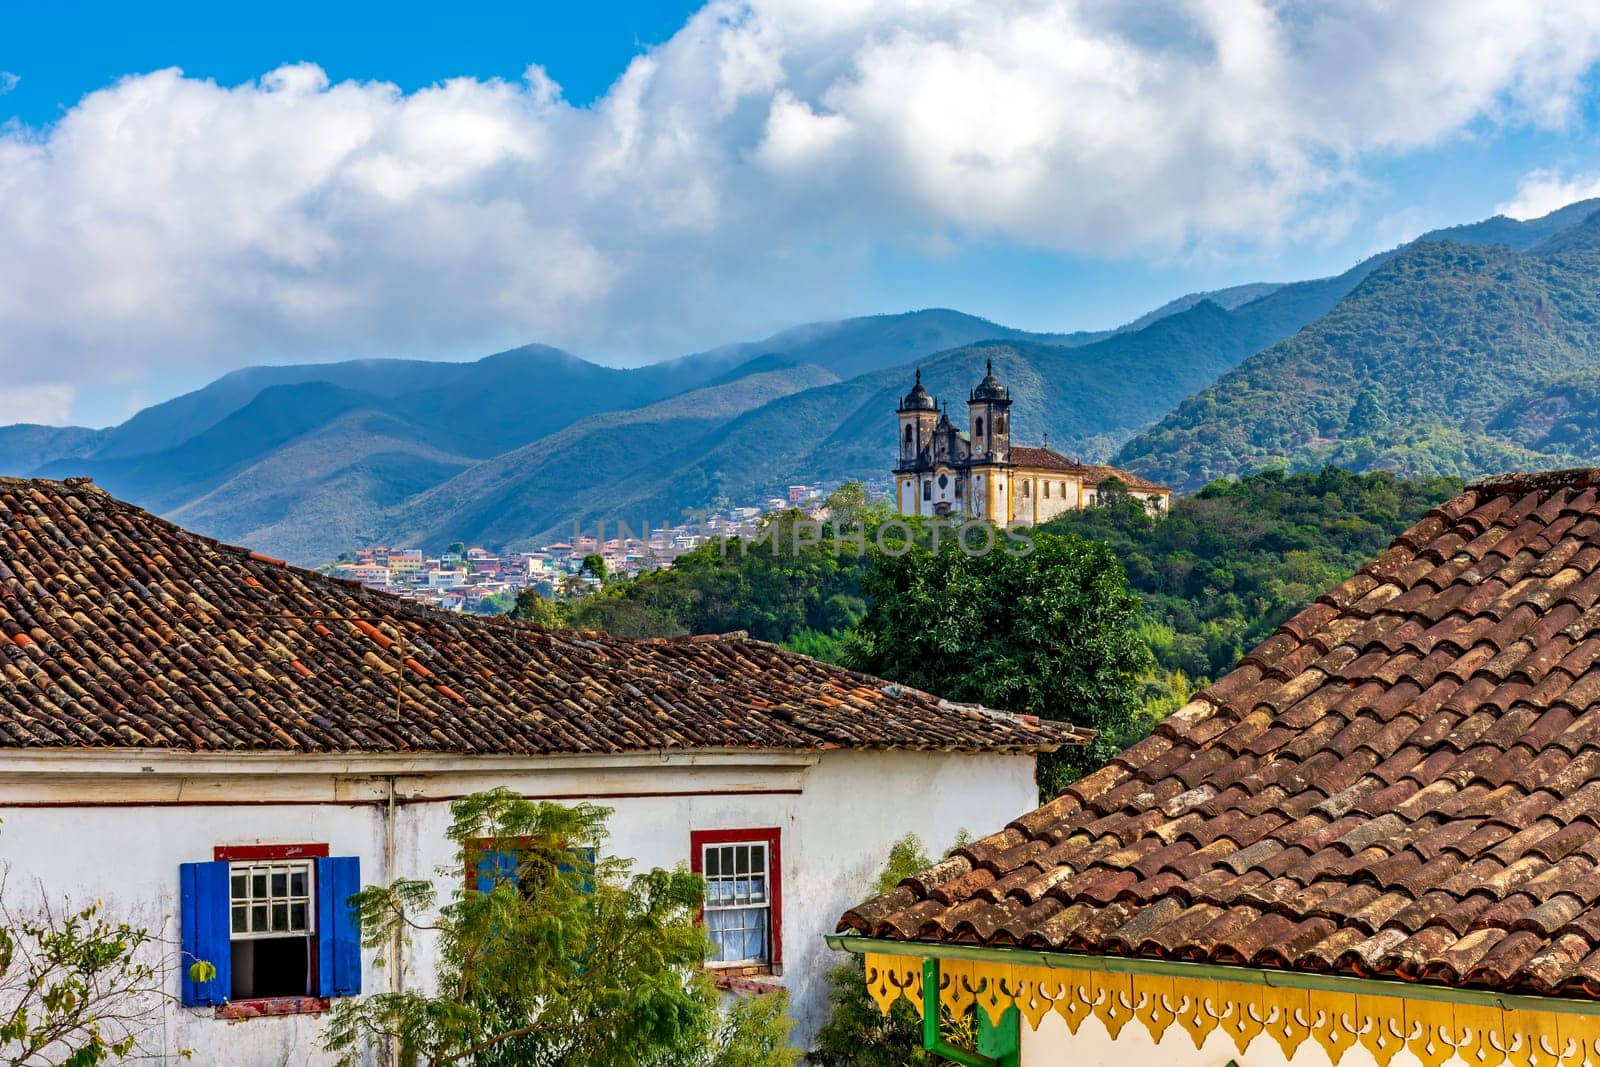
x: 857, y: 1034
x: 76, y: 988
x: 566, y: 960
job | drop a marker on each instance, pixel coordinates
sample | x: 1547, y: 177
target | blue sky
x: 61, y: 49
x: 635, y: 180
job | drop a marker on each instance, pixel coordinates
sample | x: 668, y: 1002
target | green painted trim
x: 1219, y: 972
x: 931, y: 1040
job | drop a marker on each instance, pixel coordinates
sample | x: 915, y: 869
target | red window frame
x: 247, y: 853
x: 254, y: 1007
x: 769, y: 836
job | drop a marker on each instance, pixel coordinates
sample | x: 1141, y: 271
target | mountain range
x: 1466, y: 351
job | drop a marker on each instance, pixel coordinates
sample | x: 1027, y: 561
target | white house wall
x: 87, y: 826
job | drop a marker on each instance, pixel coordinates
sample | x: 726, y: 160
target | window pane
x: 258, y: 885
x: 280, y: 883
x: 240, y: 886
x: 240, y: 920
x: 258, y: 918
x: 297, y: 883
x: 297, y: 917
x: 280, y: 916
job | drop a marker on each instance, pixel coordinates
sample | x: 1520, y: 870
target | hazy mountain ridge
x: 305, y: 461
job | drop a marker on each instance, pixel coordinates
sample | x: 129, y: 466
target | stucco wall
x: 106, y: 836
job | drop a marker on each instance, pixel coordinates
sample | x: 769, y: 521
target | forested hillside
x: 1448, y: 360
x: 1235, y: 560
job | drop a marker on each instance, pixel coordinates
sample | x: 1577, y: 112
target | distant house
x: 1374, y: 842
x: 222, y: 748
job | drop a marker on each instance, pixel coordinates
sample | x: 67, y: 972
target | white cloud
x: 50, y: 405
x: 746, y: 167
x: 8, y: 81
x: 1542, y: 191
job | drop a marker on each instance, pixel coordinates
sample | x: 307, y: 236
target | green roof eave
x: 1219, y: 972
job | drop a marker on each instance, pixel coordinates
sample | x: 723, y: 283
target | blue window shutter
x: 496, y: 866
x: 203, y: 929
x: 584, y: 855
x: 338, y: 932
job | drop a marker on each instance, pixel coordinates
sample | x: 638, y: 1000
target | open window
x: 272, y: 929
x: 744, y: 899
x: 274, y: 925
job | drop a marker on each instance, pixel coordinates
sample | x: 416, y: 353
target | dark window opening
x: 979, y: 427
x: 908, y: 433
x: 927, y: 490
x: 272, y: 967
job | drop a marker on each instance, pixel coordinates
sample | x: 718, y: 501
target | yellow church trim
x: 1484, y: 1032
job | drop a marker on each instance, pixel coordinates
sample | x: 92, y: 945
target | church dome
x: 919, y: 399
x: 990, y: 388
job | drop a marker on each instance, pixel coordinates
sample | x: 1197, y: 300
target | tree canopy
x: 1052, y: 632
x: 552, y: 953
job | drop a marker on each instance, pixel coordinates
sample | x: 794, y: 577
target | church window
x: 999, y: 424
x: 1024, y: 488
x: 908, y: 433
x: 1047, y: 490
x: 958, y: 490
x: 944, y: 481
x: 979, y: 427
x: 1063, y: 490
x: 927, y: 490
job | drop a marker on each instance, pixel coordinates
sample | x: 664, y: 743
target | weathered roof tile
x: 1402, y: 782
x: 128, y: 632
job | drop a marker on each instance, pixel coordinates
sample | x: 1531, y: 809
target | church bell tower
x: 918, y: 414
x: 989, y: 419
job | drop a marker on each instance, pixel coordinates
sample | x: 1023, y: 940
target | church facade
x: 976, y: 473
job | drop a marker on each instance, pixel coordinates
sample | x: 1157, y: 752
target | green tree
x: 530, y: 606
x: 564, y: 960
x: 849, y: 507
x: 593, y: 564
x: 76, y: 988
x: 1051, y: 633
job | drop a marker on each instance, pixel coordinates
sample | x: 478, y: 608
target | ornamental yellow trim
x: 1434, y: 1031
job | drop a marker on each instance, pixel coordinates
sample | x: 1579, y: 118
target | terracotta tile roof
x: 1091, y: 473
x: 118, y: 629
x: 1402, y: 782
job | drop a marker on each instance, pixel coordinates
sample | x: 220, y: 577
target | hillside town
x: 476, y: 580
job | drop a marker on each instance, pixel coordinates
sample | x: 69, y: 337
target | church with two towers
x: 977, y: 473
